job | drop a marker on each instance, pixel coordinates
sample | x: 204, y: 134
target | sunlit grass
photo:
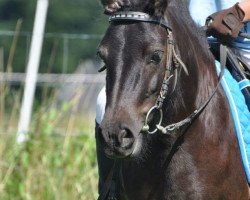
x: 57, y: 162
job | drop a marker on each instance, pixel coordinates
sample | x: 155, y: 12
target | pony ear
x: 160, y: 7
x: 111, y: 6
x: 107, y: 2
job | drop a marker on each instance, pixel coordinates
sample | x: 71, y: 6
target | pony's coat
x: 199, y: 165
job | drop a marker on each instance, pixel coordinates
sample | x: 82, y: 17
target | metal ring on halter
x: 145, y: 128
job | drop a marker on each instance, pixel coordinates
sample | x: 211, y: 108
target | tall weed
x: 57, y: 162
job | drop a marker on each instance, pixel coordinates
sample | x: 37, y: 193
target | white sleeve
x: 100, y: 105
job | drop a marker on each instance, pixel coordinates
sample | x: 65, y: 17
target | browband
x: 139, y: 17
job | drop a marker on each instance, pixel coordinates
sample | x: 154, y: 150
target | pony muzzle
x: 116, y: 142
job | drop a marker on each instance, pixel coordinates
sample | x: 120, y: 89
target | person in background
x: 226, y: 24
x: 225, y: 19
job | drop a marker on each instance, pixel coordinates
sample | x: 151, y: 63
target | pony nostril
x: 126, y: 138
x: 129, y: 134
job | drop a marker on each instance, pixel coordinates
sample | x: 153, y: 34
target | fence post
x: 2, y: 85
x: 65, y: 54
x: 32, y: 69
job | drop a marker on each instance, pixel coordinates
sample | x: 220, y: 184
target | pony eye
x: 156, y: 57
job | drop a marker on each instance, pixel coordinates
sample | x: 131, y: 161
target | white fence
x: 53, y: 79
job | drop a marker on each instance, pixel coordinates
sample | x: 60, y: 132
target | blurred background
x: 58, y: 160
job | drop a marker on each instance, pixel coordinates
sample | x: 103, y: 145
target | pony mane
x: 187, y: 34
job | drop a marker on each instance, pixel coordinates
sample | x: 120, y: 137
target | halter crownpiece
x: 137, y: 17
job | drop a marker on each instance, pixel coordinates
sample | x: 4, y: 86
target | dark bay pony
x: 202, y: 161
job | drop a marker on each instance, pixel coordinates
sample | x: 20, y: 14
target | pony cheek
x: 155, y: 84
x: 150, y: 94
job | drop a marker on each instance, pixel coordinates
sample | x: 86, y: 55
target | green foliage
x: 58, y: 161
x: 48, y: 166
x: 76, y: 16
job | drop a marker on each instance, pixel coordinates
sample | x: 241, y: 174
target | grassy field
x: 57, y: 162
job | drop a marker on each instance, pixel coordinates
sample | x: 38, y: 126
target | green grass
x: 44, y: 168
x: 57, y: 162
